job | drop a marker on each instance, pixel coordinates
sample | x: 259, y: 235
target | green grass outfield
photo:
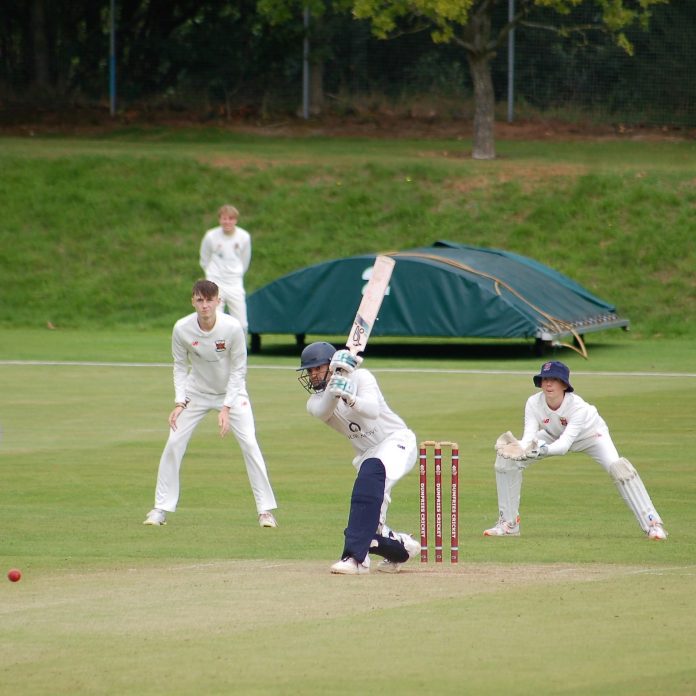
x: 581, y: 603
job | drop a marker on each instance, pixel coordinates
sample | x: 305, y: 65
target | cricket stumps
x: 435, y: 449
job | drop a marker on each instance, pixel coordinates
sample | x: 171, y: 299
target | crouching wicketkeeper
x: 557, y: 421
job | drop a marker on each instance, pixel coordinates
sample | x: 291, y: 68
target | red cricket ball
x: 14, y: 575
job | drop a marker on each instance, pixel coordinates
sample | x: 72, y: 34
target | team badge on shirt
x: 219, y: 346
x: 564, y: 422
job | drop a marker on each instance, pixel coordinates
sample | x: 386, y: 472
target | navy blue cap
x: 554, y: 369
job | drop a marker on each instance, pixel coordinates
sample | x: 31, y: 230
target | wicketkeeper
x: 349, y: 400
x: 557, y: 421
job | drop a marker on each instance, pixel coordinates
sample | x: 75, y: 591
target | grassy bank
x: 105, y: 232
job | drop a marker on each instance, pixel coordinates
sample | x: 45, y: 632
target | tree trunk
x: 316, y: 88
x: 480, y: 52
x: 316, y: 65
x: 483, y: 145
x: 41, y: 72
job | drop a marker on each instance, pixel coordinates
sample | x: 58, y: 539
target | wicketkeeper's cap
x: 554, y: 369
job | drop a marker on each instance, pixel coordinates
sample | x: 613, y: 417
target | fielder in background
x: 349, y: 400
x: 210, y: 361
x: 557, y: 421
x: 225, y: 256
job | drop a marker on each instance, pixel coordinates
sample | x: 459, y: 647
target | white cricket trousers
x: 233, y: 297
x: 241, y: 425
x: 398, y: 452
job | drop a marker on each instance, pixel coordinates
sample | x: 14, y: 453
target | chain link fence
x: 225, y: 61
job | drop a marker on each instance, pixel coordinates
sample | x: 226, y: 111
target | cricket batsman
x: 348, y: 399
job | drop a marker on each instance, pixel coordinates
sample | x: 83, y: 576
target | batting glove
x: 344, y: 361
x: 344, y: 388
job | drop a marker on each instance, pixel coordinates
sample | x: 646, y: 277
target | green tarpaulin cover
x: 446, y: 290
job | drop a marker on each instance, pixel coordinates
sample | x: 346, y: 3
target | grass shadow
x: 433, y: 349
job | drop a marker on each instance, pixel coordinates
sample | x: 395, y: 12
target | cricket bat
x: 374, y: 293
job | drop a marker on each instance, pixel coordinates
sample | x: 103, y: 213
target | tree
x: 324, y: 21
x: 480, y: 28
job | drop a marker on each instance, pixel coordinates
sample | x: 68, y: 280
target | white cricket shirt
x: 211, y: 363
x: 225, y: 258
x: 367, y: 423
x: 573, y: 420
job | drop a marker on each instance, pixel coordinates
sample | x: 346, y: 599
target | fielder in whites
x: 348, y: 399
x: 225, y: 256
x: 209, y: 351
x: 557, y: 421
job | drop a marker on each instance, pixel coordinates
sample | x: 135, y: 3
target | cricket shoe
x: 385, y: 566
x: 657, y: 532
x: 266, y: 519
x: 504, y: 529
x: 156, y: 518
x: 349, y: 566
x: 413, y: 548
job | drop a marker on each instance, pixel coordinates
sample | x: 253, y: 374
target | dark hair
x: 205, y: 288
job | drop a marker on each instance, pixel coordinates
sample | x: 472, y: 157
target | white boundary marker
x: 426, y: 370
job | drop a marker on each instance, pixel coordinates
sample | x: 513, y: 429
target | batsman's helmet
x: 554, y: 369
x: 315, y: 355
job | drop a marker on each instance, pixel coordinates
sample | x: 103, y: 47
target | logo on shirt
x: 353, y: 427
x: 564, y: 422
x: 546, y: 421
x: 359, y: 433
x: 219, y: 346
x: 194, y: 344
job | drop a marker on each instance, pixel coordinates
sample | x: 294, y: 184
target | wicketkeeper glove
x: 344, y: 361
x: 508, y: 447
x: 537, y: 450
x: 344, y: 388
